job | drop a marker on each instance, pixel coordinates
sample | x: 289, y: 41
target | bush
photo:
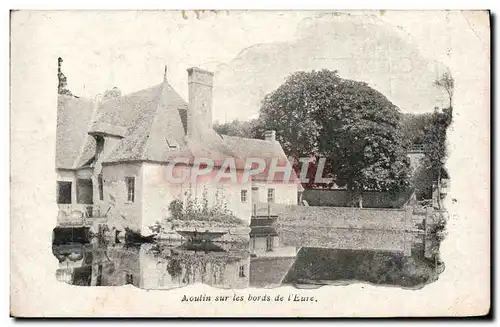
x: 199, y: 210
x: 175, y: 207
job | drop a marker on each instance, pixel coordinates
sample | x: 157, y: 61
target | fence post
x: 428, y: 218
x: 408, y: 217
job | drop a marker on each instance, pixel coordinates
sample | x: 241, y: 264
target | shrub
x: 199, y: 210
x: 175, y: 207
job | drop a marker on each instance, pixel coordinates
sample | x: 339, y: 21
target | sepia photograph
x: 248, y: 156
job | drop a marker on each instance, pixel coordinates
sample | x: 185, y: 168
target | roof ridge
x: 74, y: 97
x: 157, y: 99
x: 243, y: 138
x: 172, y: 89
x: 133, y: 93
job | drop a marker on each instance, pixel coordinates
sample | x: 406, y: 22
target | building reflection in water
x: 271, y: 258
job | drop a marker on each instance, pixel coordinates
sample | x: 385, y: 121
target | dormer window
x: 172, y: 144
x: 99, y: 144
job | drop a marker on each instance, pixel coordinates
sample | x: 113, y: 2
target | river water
x: 303, y: 258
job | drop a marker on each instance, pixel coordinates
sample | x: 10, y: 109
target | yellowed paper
x: 239, y: 57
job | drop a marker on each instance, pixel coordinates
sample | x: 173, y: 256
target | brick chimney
x: 270, y: 136
x: 199, y: 115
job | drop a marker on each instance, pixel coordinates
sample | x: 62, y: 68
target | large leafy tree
x: 238, y: 128
x: 414, y: 128
x: 435, y: 136
x: 434, y: 142
x: 356, y: 128
x: 435, y: 148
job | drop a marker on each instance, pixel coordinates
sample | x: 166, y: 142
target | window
x: 270, y: 195
x: 242, y: 271
x: 269, y: 244
x: 99, y: 144
x: 64, y: 192
x: 243, y: 196
x: 129, y: 278
x: 172, y: 144
x: 101, y: 187
x: 255, y: 194
x: 130, y: 182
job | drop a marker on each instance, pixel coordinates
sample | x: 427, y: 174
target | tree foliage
x: 435, y: 141
x: 447, y: 84
x: 414, y: 128
x: 427, y: 131
x: 113, y: 93
x: 356, y: 128
x: 435, y: 135
x: 239, y: 128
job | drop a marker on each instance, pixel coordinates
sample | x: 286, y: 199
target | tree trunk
x: 439, y: 189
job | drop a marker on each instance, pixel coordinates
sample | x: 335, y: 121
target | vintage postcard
x: 250, y: 163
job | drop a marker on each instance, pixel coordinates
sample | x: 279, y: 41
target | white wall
x: 109, y: 144
x: 284, y: 193
x: 114, y: 185
x: 158, y: 193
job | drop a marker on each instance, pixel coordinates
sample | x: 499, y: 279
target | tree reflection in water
x: 337, y: 257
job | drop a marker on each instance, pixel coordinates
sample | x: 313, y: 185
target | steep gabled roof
x: 151, y: 125
x: 73, y: 145
x: 154, y: 121
x: 149, y: 122
x: 118, y: 113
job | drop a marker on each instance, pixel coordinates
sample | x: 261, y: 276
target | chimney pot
x: 199, y: 117
x: 200, y: 76
x: 270, y: 135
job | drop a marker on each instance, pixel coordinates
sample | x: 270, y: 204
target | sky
x: 251, y: 53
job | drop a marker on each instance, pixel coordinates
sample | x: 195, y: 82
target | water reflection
x: 272, y: 258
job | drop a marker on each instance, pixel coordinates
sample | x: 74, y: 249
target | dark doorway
x: 82, y: 276
x: 63, y: 192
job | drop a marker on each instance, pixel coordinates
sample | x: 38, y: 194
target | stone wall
x: 345, y: 227
x: 343, y: 217
x: 343, y: 198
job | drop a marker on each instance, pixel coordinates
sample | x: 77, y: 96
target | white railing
x: 79, y: 214
x: 263, y: 209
